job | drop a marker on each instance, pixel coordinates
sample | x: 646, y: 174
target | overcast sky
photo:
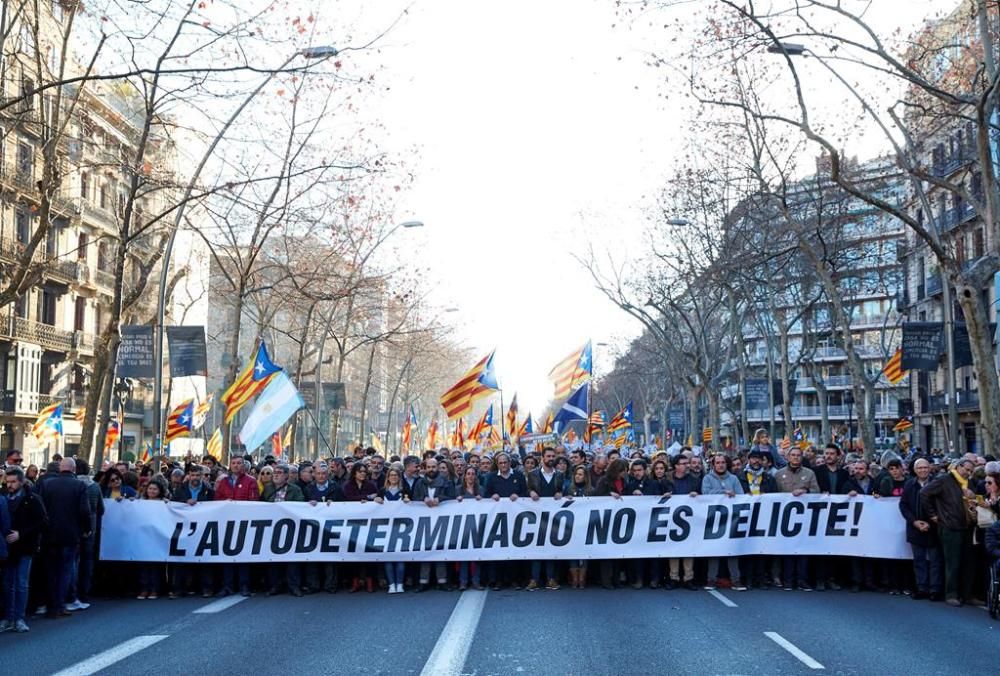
x: 538, y: 129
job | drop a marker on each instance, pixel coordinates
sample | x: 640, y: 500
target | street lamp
x: 310, y: 53
x: 123, y: 390
x: 849, y: 401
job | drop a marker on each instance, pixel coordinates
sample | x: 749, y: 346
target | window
x: 27, y: 38
x: 47, y: 308
x: 80, y: 314
x: 52, y: 242
x: 25, y: 161
x: 22, y: 223
x: 103, y: 202
x: 84, y: 185
x: 103, y: 261
x: 960, y: 249
x: 57, y: 10
x: 97, y: 320
x: 21, y: 306
x: 81, y: 246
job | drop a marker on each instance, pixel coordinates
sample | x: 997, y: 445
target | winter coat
x: 292, y: 493
x: 444, y: 488
x: 183, y: 493
x: 835, y: 482
x: 68, y: 509
x: 912, y: 510
x: 789, y: 481
x: 713, y: 484
x: 29, y: 520
x: 537, y: 483
x: 333, y: 492
x: 245, y: 489
x: 354, y: 493
x: 943, y: 498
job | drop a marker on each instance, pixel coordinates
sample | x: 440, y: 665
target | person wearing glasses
x: 503, y: 483
x: 282, y: 490
x: 922, y: 535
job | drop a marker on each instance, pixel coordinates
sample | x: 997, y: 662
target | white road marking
x: 452, y: 647
x: 103, y: 660
x: 221, y: 604
x: 723, y: 599
x: 790, y: 647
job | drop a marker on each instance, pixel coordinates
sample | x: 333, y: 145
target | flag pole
x: 320, y: 433
x: 590, y: 401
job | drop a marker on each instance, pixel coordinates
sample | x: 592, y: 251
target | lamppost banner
x: 188, y: 356
x: 136, y: 352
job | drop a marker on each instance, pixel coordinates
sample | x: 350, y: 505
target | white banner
x: 484, y: 530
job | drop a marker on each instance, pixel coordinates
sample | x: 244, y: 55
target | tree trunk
x: 981, y: 344
x: 823, y: 394
x: 785, y: 375
x: 364, y: 397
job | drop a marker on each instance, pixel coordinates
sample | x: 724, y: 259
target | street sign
x: 136, y: 353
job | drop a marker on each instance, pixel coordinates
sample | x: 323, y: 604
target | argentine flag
x: 276, y: 404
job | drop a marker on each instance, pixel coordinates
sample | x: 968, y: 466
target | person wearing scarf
x: 945, y: 501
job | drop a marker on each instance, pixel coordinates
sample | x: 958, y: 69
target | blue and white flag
x: 276, y: 404
x: 574, y: 408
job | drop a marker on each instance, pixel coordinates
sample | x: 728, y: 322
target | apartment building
x: 946, y: 147
x: 49, y: 334
x: 861, y: 249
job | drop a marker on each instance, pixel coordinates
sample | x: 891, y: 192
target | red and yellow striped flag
x: 478, y: 382
x: 254, y: 378
x: 511, y: 430
x: 430, y: 441
x: 893, y: 370
x: 574, y: 370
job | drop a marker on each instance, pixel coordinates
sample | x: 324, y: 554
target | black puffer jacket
x: 28, y: 519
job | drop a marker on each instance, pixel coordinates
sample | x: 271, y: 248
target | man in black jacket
x: 433, y: 489
x: 545, y: 482
x: 68, y: 509
x: 921, y: 535
x: 27, y: 525
x: 833, y: 480
x: 194, y: 490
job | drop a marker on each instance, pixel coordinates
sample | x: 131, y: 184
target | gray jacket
x: 713, y: 484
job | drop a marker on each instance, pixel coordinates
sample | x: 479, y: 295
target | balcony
x: 968, y: 400
x: 104, y: 278
x: 829, y: 353
x: 28, y: 330
x: 948, y: 166
x: 956, y: 216
x: 84, y: 343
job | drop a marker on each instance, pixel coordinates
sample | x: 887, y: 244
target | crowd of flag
x: 261, y: 381
x: 277, y: 400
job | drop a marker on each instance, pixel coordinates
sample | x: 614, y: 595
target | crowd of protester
x: 50, y: 522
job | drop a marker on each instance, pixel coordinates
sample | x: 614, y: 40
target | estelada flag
x: 477, y: 383
x: 254, y: 378
x: 893, y: 370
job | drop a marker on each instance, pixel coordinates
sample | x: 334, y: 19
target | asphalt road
x: 592, y: 631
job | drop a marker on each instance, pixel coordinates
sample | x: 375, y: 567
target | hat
x: 755, y: 453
